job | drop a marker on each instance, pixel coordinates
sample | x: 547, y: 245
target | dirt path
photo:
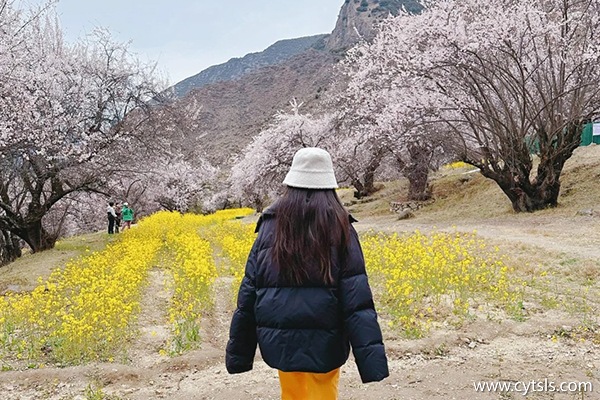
x: 153, y: 322
x: 215, y: 330
x: 577, y: 236
x: 443, y: 366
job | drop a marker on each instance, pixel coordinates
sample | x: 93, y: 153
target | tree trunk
x: 363, y: 189
x: 366, y: 187
x: 418, y: 186
x: 258, y: 203
x: 365, y: 184
x: 360, y: 190
x: 36, y: 237
x: 10, y: 249
x: 417, y: 171
x: 528, y: 195
x: 543, y: 196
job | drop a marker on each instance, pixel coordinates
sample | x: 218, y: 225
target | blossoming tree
x: 180, y: 185
x: 259, y: 171
x: 512, y: 81
x: 62, y: 127
x: 376, y: 118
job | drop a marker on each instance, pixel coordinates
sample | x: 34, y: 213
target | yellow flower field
x: 89, y: 309
x: 233, y: 241
x: 85, y: 310
x: 439, y: 277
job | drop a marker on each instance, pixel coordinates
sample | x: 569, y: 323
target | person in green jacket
x: 126, y: 216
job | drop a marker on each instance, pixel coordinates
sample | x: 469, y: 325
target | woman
x: 126, y: 216
x: 305, y: 298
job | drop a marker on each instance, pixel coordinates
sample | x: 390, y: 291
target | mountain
x: 237, y: 67
x: 237, y: 99
x: 232, y: 112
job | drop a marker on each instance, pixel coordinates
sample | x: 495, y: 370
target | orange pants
x: 309, y: 385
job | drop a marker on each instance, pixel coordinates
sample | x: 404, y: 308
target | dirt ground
x: 444, y: 365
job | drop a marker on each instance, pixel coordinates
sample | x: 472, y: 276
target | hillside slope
x: 465, y: 195
x: 231, y: 113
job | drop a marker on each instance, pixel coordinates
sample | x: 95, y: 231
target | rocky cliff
x: 358, y: 18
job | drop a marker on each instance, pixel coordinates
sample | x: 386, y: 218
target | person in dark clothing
x: 112, y: 216
x: 305, y: 299
x: 117, y: 218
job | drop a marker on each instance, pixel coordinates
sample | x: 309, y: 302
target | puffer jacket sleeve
x: 241, y: 347
x: 360, y: 317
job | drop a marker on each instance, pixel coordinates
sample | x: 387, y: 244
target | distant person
x: 118, y: 218
x: 126, y: 216
x: 305, y: 297
x: 112, y: 217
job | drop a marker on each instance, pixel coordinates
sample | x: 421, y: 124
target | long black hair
x: 308, y: 223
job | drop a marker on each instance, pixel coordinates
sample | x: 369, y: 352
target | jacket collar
x: 270, y: 213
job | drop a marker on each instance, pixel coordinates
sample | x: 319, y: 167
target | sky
x: 187, y: 36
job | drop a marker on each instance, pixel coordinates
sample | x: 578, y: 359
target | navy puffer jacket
x: 309, y: 328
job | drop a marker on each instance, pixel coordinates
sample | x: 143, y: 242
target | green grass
x: 94, y: 393
x: 22, y: 274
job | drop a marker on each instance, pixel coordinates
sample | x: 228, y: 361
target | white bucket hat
x: 312, y: 168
